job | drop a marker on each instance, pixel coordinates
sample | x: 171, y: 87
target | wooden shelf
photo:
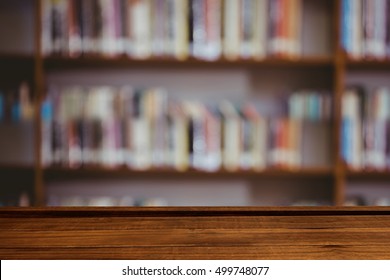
x: 16, y: 58
x: 16, y: 167
x: 368, y: 174
x: 60, y: 62
x: 191, y: 174
x: 368, y: 64
x: 196, y: 233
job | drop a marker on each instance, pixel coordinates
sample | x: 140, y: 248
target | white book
x: 351, y: 112
x: 141, y: 143
x: 231, y: 27
x: 141, y: 28
x: 108, y: 42
x: 260, y: 28
x: 379, y: 47
x: 383, y: 110
x: 231, y: 136
x: 46, y: 39
x: 102, y: 201
x: 180, y: 44
x: 356, y: 28
x: 178, y: 148
x: 247, y: 28
x: 199, y: 32
x: 213, y: 160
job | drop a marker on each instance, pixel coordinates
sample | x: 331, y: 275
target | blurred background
x: 194, y: 102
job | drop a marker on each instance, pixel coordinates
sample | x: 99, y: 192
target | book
x: 231, y: 136
x: 73, y: 28
x: 260, y: 28
x: 231, y: 29
x: 178, y: 143
x: 257, y: 150
x: 47, y: 133
x: 212, y: 122
x: 352, y: 128
x: 140, y: 29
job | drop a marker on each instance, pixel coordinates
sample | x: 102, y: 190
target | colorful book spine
x: 47, y: 119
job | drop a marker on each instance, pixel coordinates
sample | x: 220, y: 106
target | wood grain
x: 195, y: 233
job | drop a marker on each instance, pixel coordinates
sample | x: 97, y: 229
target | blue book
x: 16, y: 112
x: 346, y: 28
x: 47, y: 111
x: 346, y: 132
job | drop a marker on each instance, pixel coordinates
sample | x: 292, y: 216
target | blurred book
x: 144, y: 129
x: 205, y: 29
x: 366, y: 128
x: 365, y: 30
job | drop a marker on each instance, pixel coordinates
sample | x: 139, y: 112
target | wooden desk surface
x: 195, y: 233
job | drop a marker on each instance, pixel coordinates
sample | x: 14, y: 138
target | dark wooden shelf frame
x: 367, y: 63
x: 16, y: 57
x: 16, y: 167
x: 368, y: 174
x: 191, y: 174
x: 99, y: 61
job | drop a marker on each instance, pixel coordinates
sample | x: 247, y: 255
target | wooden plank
x: 289, y: 252
x: 156, y: 223
x: 195, y: 233
x: 63, y: 173
x: 193, y: 237
x: 93, y: 61
x: 55, y: 212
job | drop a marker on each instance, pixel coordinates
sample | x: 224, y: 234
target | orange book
x: 296, y: 26
x: 291, y: 26
x: 279, y: 27
x: 284, y: 27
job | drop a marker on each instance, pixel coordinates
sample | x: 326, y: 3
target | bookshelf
x: 323, y: 64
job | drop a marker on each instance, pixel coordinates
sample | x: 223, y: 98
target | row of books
x: 366, y: 128
x: 206, y: 29
x: 16, y: 104
x: 128, y: 201
x: 360, y: 200
x: 310, y: 105
x: 104, y: 201
x: 366, y: 28
x: 144, y: 129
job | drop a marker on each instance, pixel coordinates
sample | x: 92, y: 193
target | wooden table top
x: 195, y: 233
